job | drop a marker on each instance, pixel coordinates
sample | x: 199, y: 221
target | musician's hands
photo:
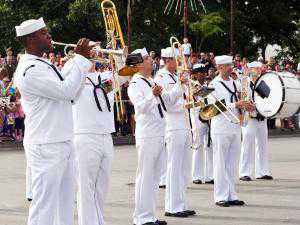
x: 83, y: 48
x: 156, y: 90
x: 246, y: 105
x: 183, y: 78
x: 250, y: 107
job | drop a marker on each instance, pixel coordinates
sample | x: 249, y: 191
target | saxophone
x: 244, y: 115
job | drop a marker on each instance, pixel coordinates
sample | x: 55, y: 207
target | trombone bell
x: 211, y: 110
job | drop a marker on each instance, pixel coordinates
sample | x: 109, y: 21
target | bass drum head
x: 271, y: 105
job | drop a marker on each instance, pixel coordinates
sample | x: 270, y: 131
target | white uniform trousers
x: 28, y: 183
x: 178, y: 170
x: 150, y: 156
x: 254, y: 149
x: 202, y: 161
x: 94, y: 154
x: 53, y: 183
x: 226, y: 148
x: 163, y: 176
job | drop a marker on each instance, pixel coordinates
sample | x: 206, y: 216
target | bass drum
x: 282, y: 98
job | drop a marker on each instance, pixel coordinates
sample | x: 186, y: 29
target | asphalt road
x: 274, y: 202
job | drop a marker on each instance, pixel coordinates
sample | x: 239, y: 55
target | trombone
x: 114, y: 34
x: 213, y: 109
x: 182, y: 67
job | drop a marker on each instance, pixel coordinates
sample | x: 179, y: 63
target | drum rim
x: 283, y: 92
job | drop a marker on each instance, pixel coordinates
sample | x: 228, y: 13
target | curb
x: 129, y: 140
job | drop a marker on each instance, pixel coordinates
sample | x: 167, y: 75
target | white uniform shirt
x: 88, y: 119
x: 219, y: 124
x: 177, y: 115
x: 149, y: 122
x: 46, y: 100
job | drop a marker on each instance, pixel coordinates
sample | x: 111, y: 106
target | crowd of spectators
x: 12, y: 116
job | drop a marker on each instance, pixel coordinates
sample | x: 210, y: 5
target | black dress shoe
x: 210, y: 182
x: 236, y: 202
x: 178, y: 214
x: 161, y: 222
x: 197, y: 181
x: 190, y: 212
x: 150, y: 223
x: 265, y: 177
x: 223, y: 204
x: 162, y: 186
x: 245, y: 178
x: 29, y: 199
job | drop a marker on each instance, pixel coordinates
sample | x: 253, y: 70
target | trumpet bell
x: 128, y: 71
x: 211, y: 110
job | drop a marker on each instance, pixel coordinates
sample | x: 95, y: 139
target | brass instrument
x: 182, y: 67
x: 244, y: 116
x: 96, y: 48
x: 214, y: 109
x: 180, y: 60
x: 114, y: 34
x: 193, y: 104
x: 111, y: 20
x: 128, y: 71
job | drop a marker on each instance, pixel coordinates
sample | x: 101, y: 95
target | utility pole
x: 129, y: 25
x: 185, y: 18
x: 232, y: 27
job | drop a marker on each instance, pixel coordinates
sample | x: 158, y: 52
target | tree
x: 207, y: 26
x: 269, y: 22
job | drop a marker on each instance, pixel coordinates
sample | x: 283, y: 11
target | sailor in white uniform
x: 254, y: 152
x: 48, y: 142
x: 178, y: 141
x: 149, y: 102
x: 202, y: 164
x: 93, y: 124
x: 226, y: 134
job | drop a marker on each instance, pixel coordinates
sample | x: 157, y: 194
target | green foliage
x: 208, y: 25
x: 268, y: 22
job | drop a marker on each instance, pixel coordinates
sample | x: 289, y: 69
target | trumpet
x: 96, y: 48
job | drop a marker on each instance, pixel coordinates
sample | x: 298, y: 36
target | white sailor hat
x: 30, y: 26
x: 223, y: 59
x: 169, y: 52
x: 142, y: 51
x: 199, y: 68
x: 254, y: 64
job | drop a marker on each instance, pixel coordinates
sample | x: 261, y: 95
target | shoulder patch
x: 27, y: 69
